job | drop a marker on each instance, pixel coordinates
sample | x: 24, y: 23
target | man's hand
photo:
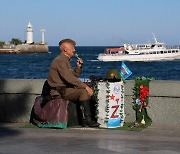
x: 89, y: 90
x: 79, y: 62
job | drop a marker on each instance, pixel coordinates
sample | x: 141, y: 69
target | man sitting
x: 64, y: 81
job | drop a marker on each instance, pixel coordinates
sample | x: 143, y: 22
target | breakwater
x: 27, y: 48
x: 17, y: 98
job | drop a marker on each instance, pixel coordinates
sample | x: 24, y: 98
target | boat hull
x: 160, y: 57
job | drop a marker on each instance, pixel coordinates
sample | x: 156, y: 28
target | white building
x: 42, y: 31
x: 29, y: 34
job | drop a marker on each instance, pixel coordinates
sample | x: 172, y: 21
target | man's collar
x: 66, y: 56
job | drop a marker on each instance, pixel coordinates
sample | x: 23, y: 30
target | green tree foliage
x: 1, y: 44
x: 16, y: 41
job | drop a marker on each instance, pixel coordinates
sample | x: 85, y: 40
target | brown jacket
x: 62, y: 74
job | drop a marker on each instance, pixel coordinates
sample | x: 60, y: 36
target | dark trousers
x: 75, y: 94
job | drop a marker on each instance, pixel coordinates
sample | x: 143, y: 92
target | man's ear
x: 65, y: 50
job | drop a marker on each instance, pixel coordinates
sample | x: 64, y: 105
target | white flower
x: 138, y: 101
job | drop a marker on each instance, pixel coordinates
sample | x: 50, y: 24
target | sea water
x: 36, y: 66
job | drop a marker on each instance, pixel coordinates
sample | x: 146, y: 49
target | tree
x: 15, y: 41
x: 1, y: 44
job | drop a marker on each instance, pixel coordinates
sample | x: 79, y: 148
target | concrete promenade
x: 163, y: 136
x: 156, y: 139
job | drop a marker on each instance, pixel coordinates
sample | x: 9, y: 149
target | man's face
x: 70, y: 50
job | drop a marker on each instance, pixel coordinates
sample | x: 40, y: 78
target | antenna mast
x: 155, y: 38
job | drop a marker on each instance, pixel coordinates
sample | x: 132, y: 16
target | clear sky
x: 92, y: 22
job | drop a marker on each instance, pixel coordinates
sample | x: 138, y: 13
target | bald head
x: 67, y: 41
x: 67, y: 47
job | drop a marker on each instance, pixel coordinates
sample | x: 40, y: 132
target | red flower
x: 144, y: 92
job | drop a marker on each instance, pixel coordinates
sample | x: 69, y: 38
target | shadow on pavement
x: 6, y: 131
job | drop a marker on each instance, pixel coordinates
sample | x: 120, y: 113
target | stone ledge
x: 164, y: 88
x: 17, y: 98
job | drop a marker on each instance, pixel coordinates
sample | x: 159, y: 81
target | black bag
x: 46, y: 89
x: 45, y: 93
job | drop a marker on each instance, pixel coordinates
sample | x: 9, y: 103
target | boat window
x: 165, y: 51
x: 173, y: 51
x: 158, y: 52
x: 169, y: 51
x: 161, y: 52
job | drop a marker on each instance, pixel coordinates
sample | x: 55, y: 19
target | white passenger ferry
x: 156, y: 51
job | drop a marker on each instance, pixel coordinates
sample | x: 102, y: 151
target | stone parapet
x: 17, y: 98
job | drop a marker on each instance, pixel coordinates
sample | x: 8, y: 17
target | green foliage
x: 15, y: 41
x: 1, y: 44
x: 95, y: 97
x: 140, y: 110
x: 107, y: 100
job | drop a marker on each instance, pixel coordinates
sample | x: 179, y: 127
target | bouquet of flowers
x: 140, y: 101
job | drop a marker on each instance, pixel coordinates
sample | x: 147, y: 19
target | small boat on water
x: 156, y: 51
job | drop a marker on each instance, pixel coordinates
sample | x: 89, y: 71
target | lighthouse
x: 42, y: 31
x: 30, y: 46
x: 29, y: 34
